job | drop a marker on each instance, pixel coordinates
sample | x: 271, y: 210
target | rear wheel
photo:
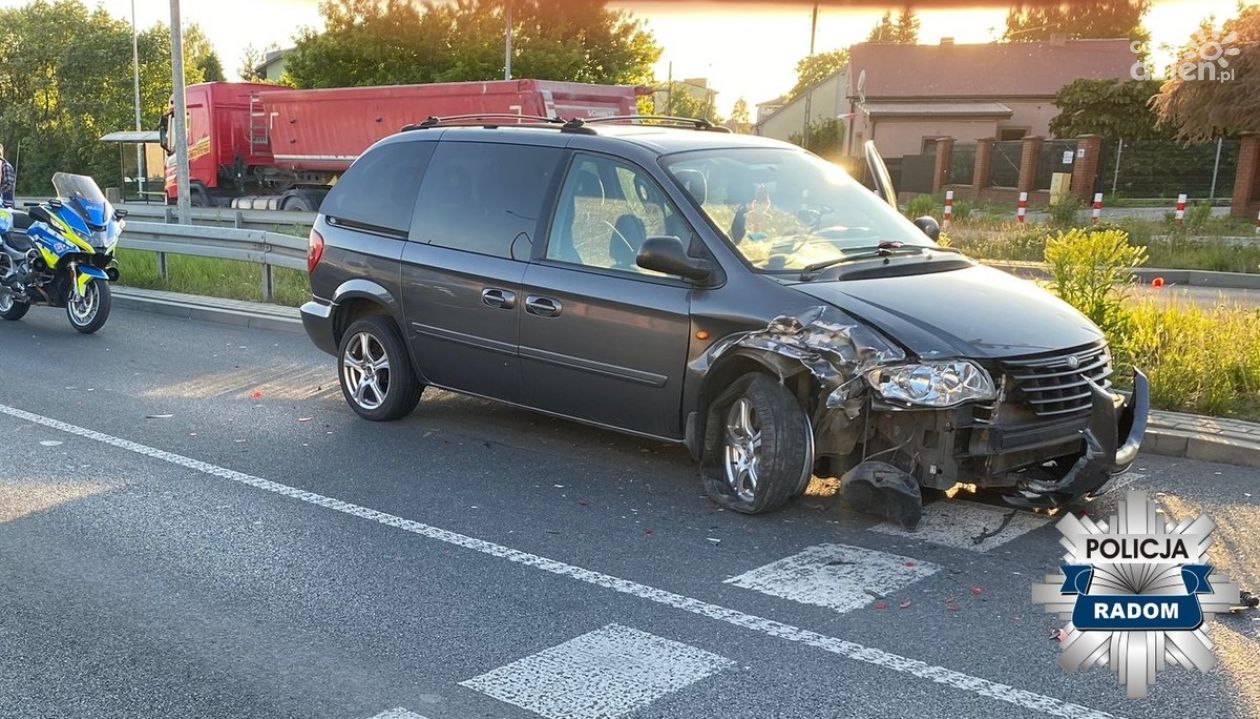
x: 764, y: 449
x: 10, y: 308
x: 88, y: 313
x: 375, y: 372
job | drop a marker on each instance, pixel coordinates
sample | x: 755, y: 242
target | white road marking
x: 957, y: 523
x: 836, y: 576
x: 398, y: 713
x: 769, y: 627
x: 609, y: 672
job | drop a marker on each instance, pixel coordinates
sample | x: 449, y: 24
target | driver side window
x: 606, y: 211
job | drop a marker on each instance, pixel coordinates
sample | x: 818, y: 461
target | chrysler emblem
x: 1074, y: 362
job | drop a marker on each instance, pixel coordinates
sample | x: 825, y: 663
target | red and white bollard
x: 949, y: 209
x: 1181, y: 208
x: 1023, y: 208
x: 1097, y: 206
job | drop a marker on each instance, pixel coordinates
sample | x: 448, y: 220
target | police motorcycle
x: 60, y: 253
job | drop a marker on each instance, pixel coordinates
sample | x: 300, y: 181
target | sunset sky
x: 746, y: 49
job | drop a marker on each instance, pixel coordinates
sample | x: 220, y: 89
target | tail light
x: 315, y: 252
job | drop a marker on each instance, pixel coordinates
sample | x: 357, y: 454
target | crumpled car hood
x: 977, y: 312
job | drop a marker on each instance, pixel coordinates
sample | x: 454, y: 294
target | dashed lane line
x: 768, y: 627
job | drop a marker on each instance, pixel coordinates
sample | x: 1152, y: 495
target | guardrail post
x: 238, y: 219
x: 268, y: 283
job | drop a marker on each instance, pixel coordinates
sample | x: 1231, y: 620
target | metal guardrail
x: 269, y: 249
x: 226, y: 217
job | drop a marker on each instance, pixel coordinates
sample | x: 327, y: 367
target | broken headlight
x: 933, y: 384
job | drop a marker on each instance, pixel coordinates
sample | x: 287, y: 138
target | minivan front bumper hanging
x: 1116, y: 429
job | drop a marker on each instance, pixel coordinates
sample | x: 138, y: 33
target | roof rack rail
x: 484, y: 119
x: 697, y: 123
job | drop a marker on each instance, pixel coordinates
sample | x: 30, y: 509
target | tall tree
x: 199, y: 52
x: 1111, y: 108
x: 682, y: 99
x: 904, y: 30
x: 252, y: 59
x: 739, y: 121
x: 58, y: 98
x: 1078, y: 20
x: 1204, y: 105
x: 815, y: 68
x: 384, y: 42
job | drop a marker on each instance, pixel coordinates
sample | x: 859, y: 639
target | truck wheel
x: 297, y: 202
x: 764, y: 449
x: 198, y: 197
x: 375, y: 371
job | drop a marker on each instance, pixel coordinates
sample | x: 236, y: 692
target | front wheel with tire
x: 763, y: 454
x: 88, y: 312
x: 10, y: 308
x: 375, y: 372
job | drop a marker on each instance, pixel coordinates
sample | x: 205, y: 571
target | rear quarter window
x: 479, y: 197
x: 379, y: 190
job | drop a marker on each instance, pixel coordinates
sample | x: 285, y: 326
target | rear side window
x: 379, y: 190
x: 479, y: 197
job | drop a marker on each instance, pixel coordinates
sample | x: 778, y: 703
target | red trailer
x: 269, y: 147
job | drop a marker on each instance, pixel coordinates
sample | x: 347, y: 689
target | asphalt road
x: 192, y: 523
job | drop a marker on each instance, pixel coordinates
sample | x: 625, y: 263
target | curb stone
x: 1170, y: 434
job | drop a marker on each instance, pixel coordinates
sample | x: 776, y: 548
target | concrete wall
x: 1032, y: 115
x: 896, y: 137
x: 828, y: 101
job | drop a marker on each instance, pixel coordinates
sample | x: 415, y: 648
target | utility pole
x: 135, y: 69
x: 507, y: 44
x: 179, y: 121
x: 809, y: 93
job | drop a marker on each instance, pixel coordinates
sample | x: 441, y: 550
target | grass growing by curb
x: 211, y: 277
x: 1201, y: 360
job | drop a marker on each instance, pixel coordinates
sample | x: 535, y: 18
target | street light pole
x: 135, y: 69
x: 507, y: 42
x: 179, y: 121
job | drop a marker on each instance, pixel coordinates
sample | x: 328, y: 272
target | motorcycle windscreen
x: 879, y: 173
x: 81, y: 194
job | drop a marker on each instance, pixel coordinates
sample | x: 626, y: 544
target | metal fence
x: 1055, y: 156
x: 962, y: 165
x: 1004, y: 170
x: 269, y: 249
x: 1164, y: 169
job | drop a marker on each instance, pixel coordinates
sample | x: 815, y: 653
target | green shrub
x: 1197, y: 216
x: 1063, y: 213
x: 923, y: 205
x: 962, y: 210
x: 1091, y: 271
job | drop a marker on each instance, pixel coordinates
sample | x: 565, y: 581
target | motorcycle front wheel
x: 88, y: 313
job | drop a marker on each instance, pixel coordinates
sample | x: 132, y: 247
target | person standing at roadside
x: 8, y: 180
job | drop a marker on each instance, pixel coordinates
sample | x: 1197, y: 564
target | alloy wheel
x: 365, y: 370
x: 743, y: 449
x: 82, y: 310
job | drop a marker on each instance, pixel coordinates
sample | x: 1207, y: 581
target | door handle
x: 542, y: 306
x: 494, y: 297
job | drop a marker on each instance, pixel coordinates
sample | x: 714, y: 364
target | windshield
x: 785, y: 209
x: 82, y: 195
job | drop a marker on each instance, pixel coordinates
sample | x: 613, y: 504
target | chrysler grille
x: 1056, y: 386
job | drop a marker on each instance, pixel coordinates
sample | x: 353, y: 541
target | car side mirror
x: 930, y: 227
x: 668, y: 255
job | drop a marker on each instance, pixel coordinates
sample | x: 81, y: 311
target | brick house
x: 904, y: 96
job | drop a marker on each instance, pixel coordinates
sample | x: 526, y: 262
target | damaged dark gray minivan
x: 731, y: 293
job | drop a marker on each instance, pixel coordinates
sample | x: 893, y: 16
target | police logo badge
x: 1135, y: 593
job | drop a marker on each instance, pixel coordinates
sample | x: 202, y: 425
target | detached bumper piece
x: 1117, y: 426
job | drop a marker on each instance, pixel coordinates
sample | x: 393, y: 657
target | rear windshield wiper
x: 886, y: 248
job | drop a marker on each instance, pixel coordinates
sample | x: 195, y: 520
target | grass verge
x: 211, y: 277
